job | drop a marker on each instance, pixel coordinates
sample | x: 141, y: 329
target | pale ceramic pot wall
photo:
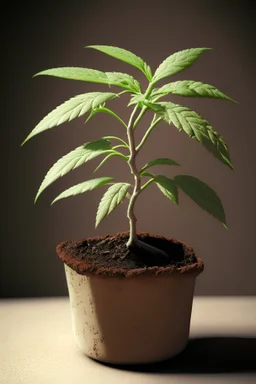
x: 140, y: 319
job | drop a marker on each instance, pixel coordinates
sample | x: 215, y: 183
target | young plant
x: 179, y: 116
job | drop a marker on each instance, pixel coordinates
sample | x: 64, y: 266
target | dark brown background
x: 53, y: 34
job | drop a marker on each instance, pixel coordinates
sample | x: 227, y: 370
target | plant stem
x: 110, y: 112
x: 143, y: 140
x: 137, y: 180
x: 147, y: 184
x: 143, y: 110
x: 133, y: 239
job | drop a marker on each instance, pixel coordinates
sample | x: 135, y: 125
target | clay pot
x: 130, y: 320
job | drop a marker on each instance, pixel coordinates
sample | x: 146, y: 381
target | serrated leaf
x: 94, y: 76
x: 126, y: 56
x: 202, y: 195
x: 159, y: 161
x: 177, y: 62
x: 167, y: 187
x: 198, y: 128
x: 69, y: 110
x: 73, y: 160
x: 86, y: 186
x: 111, y: 199
x: 190, y: 88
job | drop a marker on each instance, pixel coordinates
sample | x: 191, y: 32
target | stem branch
x: 149, y: 130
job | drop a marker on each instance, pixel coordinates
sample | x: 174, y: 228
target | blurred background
x: 52, y: 34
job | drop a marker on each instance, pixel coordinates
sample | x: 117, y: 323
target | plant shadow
x: 206, y: 355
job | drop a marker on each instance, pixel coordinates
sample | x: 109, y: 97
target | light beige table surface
x: 37, y: 347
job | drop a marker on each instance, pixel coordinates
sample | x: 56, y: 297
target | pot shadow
x: 205, y: 355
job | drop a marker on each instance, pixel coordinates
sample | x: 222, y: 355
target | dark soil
x: 108, y: 255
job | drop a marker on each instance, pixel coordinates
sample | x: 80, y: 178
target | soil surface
x: 108, y: 255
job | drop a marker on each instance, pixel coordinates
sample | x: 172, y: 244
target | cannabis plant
x: 181, y: 117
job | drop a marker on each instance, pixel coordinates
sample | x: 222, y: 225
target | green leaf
x: 88, y: 185
x: 113, y: 153
x: 73, y: 160
x: 167, y: 187
x: 123, y: 80
x: 126, y: 56
x: 75, y: 107
x: 177, y: 62
x: 202, y: 195
x: 141, y: 101
x: 137, y: 99
x: 94, y: 76
x: 111, y: 199
x: 198, y: 128
x: 190, y: 88
x: 158, y: 161
x: 155, y: 107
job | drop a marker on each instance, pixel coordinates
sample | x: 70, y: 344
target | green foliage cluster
x: 184, y: 119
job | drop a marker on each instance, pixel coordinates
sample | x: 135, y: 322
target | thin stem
x: 149, y: 89
x: 143, y: 110
x: 133, y: 239
x: 112, y: 153
x: 121, y: 93
x: 117, y: 153
x: 147, y: 184
x: 149, y: 130
x: 110, y: 112
x: 120, y: 146
x: 137, y: 180
x: 117, y: 138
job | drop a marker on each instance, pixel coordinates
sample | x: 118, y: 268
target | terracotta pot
x: 129, y: 320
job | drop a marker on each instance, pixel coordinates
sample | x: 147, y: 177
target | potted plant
x: 131, y: 293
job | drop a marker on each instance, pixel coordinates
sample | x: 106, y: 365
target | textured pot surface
x: 140, y: 319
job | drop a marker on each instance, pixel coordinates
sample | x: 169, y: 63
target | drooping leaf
x: 167, y: 187
x: 158, y: 161
x: 177, y: 62
x: 69, y: 110
x: 198, y: 128
x: 202, y: 195
x: 111, y: 199
x: 126, y: 56
x: 73, y: 160
x: 113, y: 153
x: 190, y: 88
x: 88, y: 185
x: 94, y: 76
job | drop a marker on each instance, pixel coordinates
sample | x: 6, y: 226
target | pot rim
x: 82, y: 267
